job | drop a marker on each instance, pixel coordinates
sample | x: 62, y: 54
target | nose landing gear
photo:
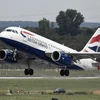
x: 28, y: 71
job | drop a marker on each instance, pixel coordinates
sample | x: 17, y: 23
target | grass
x: 42, y: 89
x: 48, y: 97
x: 50, y: 84
x: 28, y: 89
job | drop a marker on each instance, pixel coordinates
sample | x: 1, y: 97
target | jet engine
x: 8, y: 55
x: 61, y: 58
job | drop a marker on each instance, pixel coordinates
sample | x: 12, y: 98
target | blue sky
x: 35, y: 10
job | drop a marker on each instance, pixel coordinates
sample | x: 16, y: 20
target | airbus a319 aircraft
x: 35, y: 46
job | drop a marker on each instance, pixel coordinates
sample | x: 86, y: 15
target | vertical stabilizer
x: 94, y: 43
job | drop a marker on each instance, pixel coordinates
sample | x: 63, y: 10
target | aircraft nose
x: 1, y: 34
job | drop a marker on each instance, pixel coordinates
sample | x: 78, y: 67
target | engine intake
x: 56, y: 56
x: 61, y: 58
x: 8, y: 55
x: 2, y: 54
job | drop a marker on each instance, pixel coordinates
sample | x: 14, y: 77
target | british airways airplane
x: 35, y: 46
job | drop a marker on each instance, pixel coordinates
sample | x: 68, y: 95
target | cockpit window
x: 14, y: 31
x: 9, y: 30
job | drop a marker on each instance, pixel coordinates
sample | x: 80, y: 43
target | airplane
x: 31, y: 46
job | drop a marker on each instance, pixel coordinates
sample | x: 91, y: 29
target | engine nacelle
x: 61, y: 58
x: 8, y: 55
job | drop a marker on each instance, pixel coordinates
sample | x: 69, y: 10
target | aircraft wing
x: 80, y: 55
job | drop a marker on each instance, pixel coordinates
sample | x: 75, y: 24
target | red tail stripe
x: 85, y: 50
x: 95, y: 39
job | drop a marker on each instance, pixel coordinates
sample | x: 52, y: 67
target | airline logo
x: 24, y: 34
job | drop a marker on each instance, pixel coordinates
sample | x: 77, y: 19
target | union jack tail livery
x: 94, y: 43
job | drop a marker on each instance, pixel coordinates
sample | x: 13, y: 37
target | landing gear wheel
x: 31, y: 71
x: 26, y: 71
x: 66, y: 72
x: 62, y: 72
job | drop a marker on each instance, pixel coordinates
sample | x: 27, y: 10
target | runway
x: 76, y: 78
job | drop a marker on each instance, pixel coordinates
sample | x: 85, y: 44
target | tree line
x: 68, y: 31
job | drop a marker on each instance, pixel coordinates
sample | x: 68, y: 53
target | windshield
x: 10, y: 30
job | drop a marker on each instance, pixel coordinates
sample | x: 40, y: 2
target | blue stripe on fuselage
x: 33, y: 51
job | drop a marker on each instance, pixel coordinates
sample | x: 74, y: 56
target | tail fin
x: 94, y: 43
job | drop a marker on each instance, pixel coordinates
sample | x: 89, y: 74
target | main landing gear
x: 28, y: 71
x: 64, y: 72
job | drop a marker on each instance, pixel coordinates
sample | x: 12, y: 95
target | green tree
x: 47, y: 29
x: 69, y: 21
x: 44, y: 27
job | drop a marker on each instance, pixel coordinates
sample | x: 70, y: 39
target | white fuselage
x: 43, y: 44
